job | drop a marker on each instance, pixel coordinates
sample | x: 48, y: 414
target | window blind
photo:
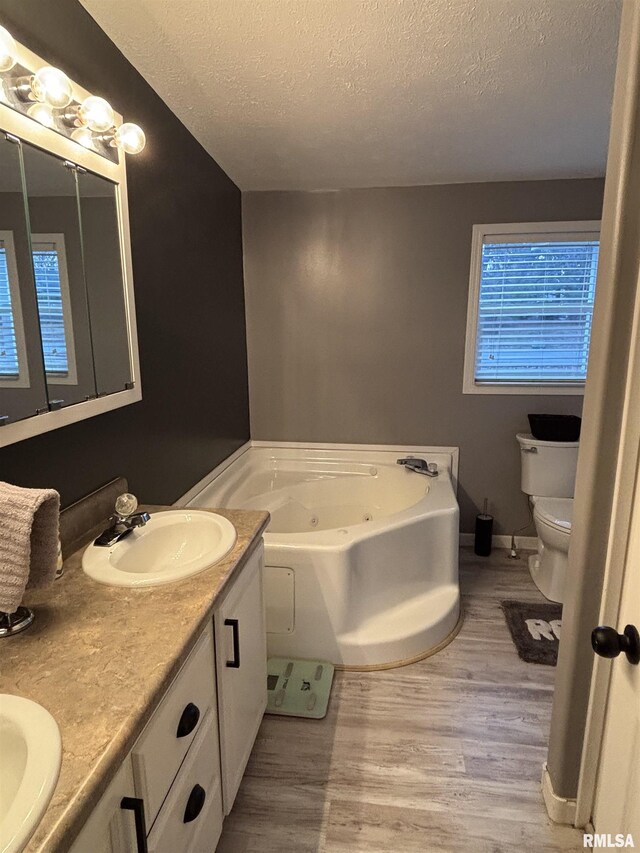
x: 535, y: 309
x: 9, y: 363
x: 50, y: 308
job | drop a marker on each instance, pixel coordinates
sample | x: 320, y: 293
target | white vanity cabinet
x: 191, y: 755
x: 241, y: 670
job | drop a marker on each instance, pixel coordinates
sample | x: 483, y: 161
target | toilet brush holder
x: 484, y: 532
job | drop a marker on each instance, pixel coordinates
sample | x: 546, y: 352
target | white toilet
x: 548, y: 477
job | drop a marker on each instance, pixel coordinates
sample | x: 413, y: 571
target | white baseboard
x: 202, y: 484
x: 528, y: 543
x: 558, y: 808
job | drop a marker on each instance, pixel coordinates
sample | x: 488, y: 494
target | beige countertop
x: 99, y: 659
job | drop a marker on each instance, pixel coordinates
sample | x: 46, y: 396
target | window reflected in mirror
x: 54, y: 307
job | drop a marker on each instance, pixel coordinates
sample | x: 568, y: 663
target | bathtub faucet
x: 420, y: 466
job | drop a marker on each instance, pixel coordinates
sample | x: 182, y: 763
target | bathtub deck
x: 442, y: 755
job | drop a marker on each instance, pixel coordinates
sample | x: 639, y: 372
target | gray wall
x: 356, y: 309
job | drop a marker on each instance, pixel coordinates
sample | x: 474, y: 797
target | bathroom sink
x: 171, y: 546
x: 31, y: 752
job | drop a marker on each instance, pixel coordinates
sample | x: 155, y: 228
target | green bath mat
x: 298, y: 688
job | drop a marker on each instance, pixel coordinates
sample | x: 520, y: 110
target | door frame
x: 626, y: 494
x: 606, y: 471
x: 626, y: 490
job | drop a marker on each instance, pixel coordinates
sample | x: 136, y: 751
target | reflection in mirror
x: 59, y: 278
x: 22, y: 383
x: 105, y: 284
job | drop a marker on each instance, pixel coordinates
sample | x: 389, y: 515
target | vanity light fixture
x: 8, y: 50
x: 47, y: 95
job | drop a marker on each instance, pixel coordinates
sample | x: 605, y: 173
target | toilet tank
x: 548, y: 468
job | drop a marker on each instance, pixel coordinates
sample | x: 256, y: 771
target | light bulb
x: 8, y: 50
x: 42, y: 113
x: 130, y: 138
x: 83, y: 136
x: 52, y: 86
x: 96, y: 114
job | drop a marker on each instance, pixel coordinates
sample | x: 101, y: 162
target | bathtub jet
x: 361, y: 555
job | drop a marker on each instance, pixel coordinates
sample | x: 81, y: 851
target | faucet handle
x: 126, y: 505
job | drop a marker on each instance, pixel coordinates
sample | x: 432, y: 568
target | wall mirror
x: 68, y: 346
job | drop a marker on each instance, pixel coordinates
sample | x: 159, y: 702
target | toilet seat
x: 555, y: 512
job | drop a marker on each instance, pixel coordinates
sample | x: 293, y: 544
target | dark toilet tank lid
x: 546, y: 427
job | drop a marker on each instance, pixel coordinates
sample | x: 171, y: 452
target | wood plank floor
x: 442, y: 755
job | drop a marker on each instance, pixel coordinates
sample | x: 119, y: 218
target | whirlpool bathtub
x: 361, y: 554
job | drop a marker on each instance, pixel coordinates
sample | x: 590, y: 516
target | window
x: 13, y: 357
x: 531, y: 295
x: 54, y: 307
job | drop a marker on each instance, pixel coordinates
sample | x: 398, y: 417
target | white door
x: 241, y: 671
x: 617, y: 802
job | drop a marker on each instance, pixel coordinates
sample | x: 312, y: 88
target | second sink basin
x: 172, y: 545
x: 31, y: 752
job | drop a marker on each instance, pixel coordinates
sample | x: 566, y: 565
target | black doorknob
x: 607, y: 643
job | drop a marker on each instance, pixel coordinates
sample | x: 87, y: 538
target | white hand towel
x: 29, y: 521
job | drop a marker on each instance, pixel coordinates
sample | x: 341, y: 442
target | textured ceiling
x: 312, y: 94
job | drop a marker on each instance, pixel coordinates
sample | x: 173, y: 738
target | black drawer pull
x: 188, y: 720
x: 195, y: 803
x: 235, y: 663
x: 136, y: 805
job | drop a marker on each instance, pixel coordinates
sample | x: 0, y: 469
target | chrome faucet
x: 124, y: 522
x: 420, y: 466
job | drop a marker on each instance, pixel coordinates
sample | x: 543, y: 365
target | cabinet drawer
x: 190, y: 820
x: 162, y: 746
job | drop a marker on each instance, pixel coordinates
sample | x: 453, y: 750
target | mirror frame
x: 31, y: 132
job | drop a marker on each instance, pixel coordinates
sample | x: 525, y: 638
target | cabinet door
x: 241, y: 667
x: 110, y: 829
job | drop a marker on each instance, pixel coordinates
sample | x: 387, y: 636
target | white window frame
x: 57, y: 240
x: 22, y: 379
x: 585, y: 228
